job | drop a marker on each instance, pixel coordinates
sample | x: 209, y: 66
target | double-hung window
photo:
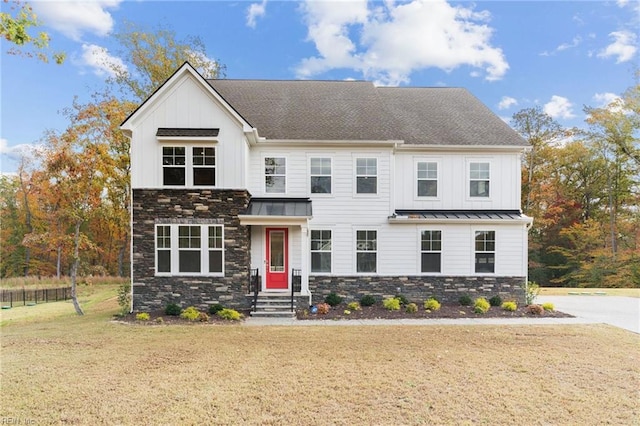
x: 430, y: 251
x: 320, y: 175
x: 479, y: 178
x: 485, y: 251
x: 427, y: 173
x: 275, y: 175
x: 366, y: 175
x: 366, y: 251
x: 321, y: 251
x: 189, y: 249
x: 188, y: 166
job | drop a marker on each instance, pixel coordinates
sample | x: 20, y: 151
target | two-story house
x: 340, y: 186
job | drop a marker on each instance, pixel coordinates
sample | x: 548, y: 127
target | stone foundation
x: 417, y: 289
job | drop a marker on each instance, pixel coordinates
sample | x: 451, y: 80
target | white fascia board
x: 187, y: 139
x: 273, y: 220
x: 481, y: 148
x: 524, y: 220
x: 327, y: 143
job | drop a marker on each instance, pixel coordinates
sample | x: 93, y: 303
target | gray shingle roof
x: 357, y: 110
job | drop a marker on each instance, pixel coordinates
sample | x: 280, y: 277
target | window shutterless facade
x: 366, y: 175
x: 485, y: 251
x: 479, y: 179
x: 321, y: 251
x: 430, y: 251
x: 427, y: 178
x: 188, y: 166
x: 320, y: 175
x: 366, y: 251
x: 189, y: 249
x: 275, y: 175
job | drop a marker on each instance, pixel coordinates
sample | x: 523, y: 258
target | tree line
x: 66, y: 211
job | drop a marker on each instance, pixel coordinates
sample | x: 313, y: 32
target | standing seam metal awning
x: 283, y: 210
x: 412, y: 216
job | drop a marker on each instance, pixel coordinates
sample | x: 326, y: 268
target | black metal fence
x: 23, y: 297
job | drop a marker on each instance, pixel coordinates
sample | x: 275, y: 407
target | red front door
x: 277, y: 258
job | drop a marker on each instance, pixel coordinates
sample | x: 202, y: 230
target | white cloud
x: 386, y: 41
x: 575, y: 42
x: 255, y: 10
x: 99, y: 59
x: 16, y: 152
x: 605, y: 99
x: 73, y: 18
x: 507, y: 102
x: 623, y: 48
x: 559, y: 107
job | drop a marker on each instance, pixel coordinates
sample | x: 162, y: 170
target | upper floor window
x: 366, y: 175
x: 188, y: 166
x: 427, y: 173
x: 479, y: 174
x: 275, y: 175
x: 321, y: 251
x: 366, y: 251
x: 320, y: 175
x: 189, y: 249
x: 430, y: 251
x: 485, y: 251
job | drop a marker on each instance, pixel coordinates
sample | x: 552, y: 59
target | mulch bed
x: 446, y: 311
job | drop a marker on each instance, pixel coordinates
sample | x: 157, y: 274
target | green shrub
x: 367, y: 300
x: 465, y: 300
x: 531, y: 291
x: 323, y: 308
x: 229, y: 314
x: 124, y: 298
x: 143, y: 316
x: 495, y: 301
x: 431, y: 304
x: 354, y: 306
x: 347, y: 312
x: 403, y: 299
x: 203, y: 317
x: 160, y: 320
x: 333, y: 299
x: 214, y: 309
x: 509, y: 306
x: 191, y: 313
x: 481, y: 305
x: 411, y: 308
x: 172, y: 310
x: 391, y: 304
x: 535, y: 309
x: 548, y: 306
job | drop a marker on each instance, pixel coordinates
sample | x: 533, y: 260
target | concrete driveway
x: 623, y: 312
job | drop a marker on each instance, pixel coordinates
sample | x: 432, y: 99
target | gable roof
x: 358, y: 110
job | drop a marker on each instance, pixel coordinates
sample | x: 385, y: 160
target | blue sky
x: 510, y: 54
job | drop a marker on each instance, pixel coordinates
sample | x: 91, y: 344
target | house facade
x: 334, y: 186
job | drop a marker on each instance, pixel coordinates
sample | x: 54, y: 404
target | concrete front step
x: 274, y: 305
x: 273, y: 314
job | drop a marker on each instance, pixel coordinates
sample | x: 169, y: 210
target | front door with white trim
x: 277, y: 251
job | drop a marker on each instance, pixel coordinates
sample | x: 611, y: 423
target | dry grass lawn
x: 89, y: 370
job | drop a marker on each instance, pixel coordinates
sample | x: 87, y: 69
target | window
x: 320, y: 175
x: 204, y: 166
x: 479, y: 179
x: 321, y: 251
x: 431, y: 250
x: 189, y: 249
x: 174, y: 165
x: 366, y: 175
x: 485, y: 251
x: 275, y: 175
x: 427, y: 179
x: 366, y: 251
x: 188, y: 166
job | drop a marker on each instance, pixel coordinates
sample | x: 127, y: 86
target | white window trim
x: 321, y: 251
x: 309, y: 175
x: 355, y: 175
x: 467, y: 183
x: 473, y: 252
x: 264, y: 174
x: 356, y: 251
x: 419, y: 250
x: 189, y: 165
x: 438, y: 162
x: 175, y: 250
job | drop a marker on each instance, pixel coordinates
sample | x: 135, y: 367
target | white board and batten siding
x: 187, y: 104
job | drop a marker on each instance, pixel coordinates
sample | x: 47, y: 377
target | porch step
x: 273, y: 314
x: 274, y: 306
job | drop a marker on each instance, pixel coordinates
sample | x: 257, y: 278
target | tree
x: 15, y: 27
x: 153, y: 57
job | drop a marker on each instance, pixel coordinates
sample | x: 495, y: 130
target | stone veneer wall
x: 446, y: 289
x: 151, y: 206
